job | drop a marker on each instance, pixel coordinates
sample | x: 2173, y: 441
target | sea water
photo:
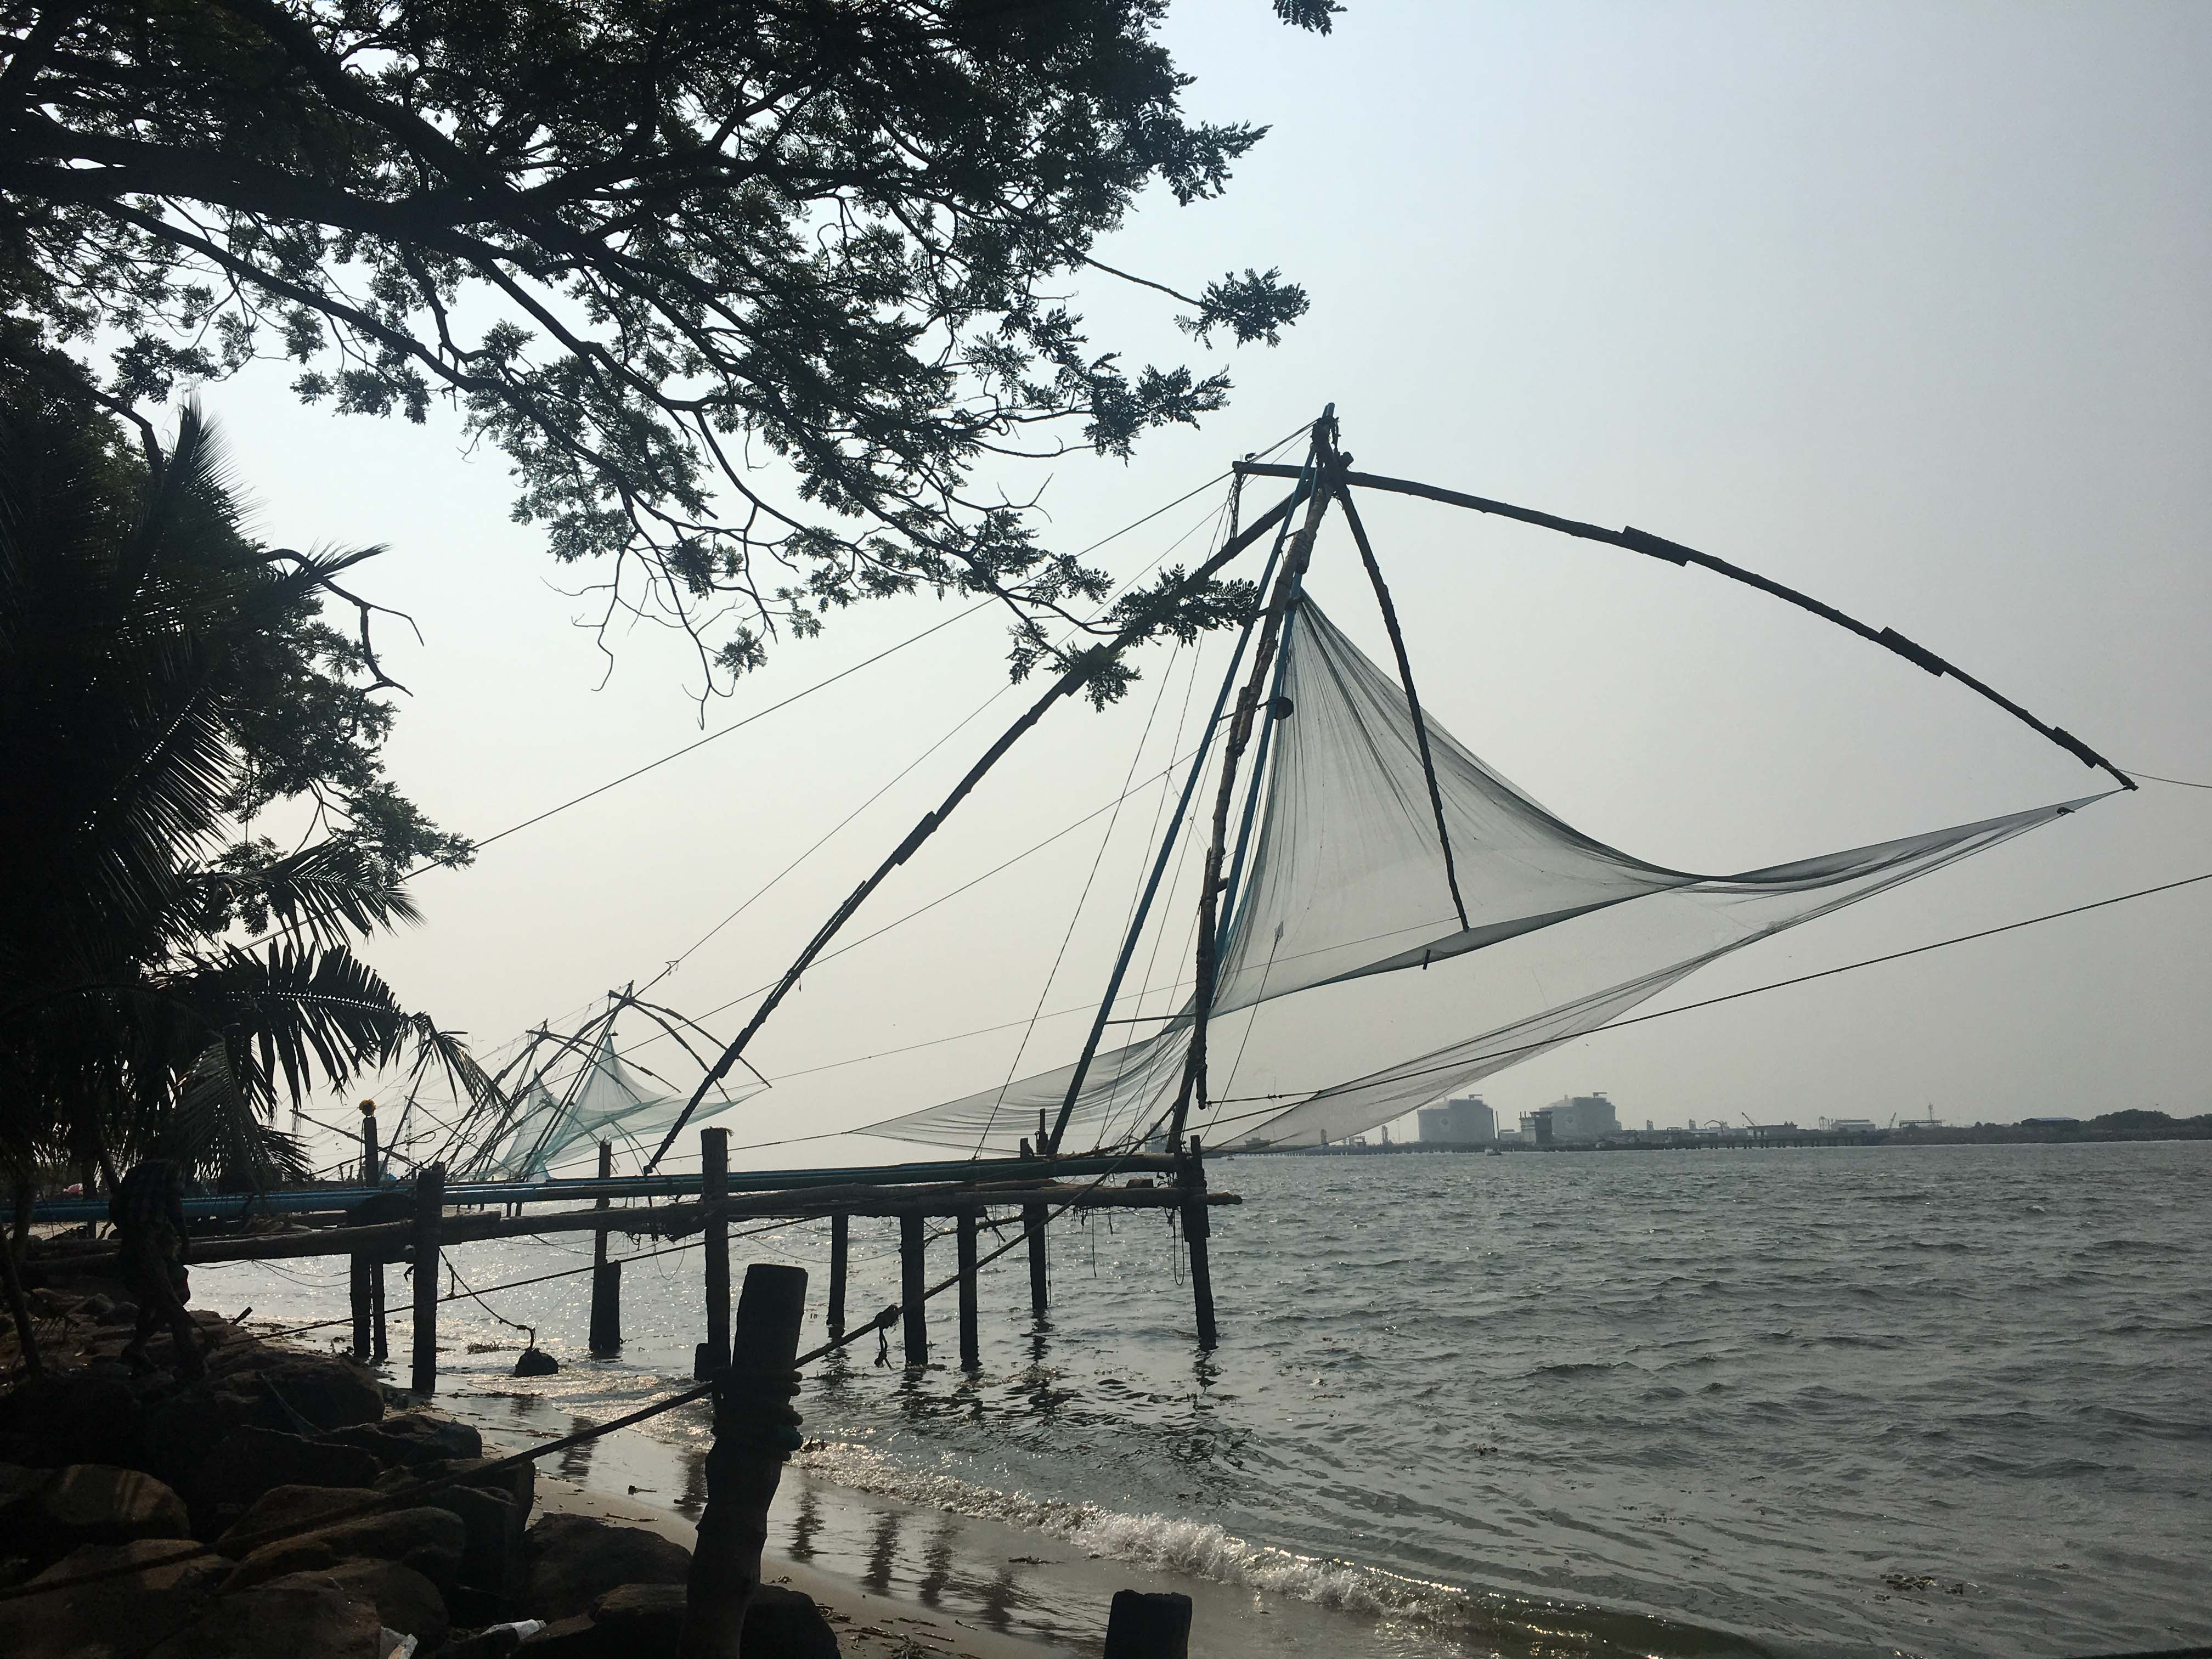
x: 1940, y: 1401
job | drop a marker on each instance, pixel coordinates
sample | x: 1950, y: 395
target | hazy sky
x: 1905, y: 305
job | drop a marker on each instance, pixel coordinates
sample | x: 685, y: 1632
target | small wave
x: 1205, y: 1549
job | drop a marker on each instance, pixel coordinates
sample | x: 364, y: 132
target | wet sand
x: 898, y: 1578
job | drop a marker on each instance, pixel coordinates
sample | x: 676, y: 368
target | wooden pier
x: 1026, y: 1193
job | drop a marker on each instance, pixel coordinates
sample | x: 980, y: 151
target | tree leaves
x: 746, y: 294
x: 166, y: 980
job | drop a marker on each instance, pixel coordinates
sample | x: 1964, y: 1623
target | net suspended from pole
x: 1366, y: 994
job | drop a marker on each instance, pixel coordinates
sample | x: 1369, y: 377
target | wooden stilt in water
x: 430, y: 1210
x: 372, y: 1175
x: 754, y: 1430
x: 971, y: 1352
x: 714, y: 1353
x: 912, y: 1287
x: 1033, y: 1219
x: 840, y: 1237
x: 1197, y: 1230
x: 606, y: 1276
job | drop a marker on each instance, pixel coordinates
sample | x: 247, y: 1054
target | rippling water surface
x: 1944, y: 1401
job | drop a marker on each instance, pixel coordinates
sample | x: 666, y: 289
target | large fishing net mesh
x: 1350, y: 990
x: 559, y: 1117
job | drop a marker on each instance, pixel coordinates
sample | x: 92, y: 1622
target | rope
x: 2178, y: 783
x: 1081, y: 899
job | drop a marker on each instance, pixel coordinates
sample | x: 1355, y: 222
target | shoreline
x: 969, y: 1585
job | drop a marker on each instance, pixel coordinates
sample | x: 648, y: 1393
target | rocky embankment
x: 224, y: 1516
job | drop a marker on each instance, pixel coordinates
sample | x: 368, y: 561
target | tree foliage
x: 746, y: 290
x: 167, y: 978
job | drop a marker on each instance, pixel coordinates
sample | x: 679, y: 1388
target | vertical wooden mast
x: 1295, y: 560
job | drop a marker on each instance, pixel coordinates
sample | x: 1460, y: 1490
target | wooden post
x: 372, y: 1169
x: 430, y: 1210
x: 606, y: 1276
x: 1033, y: 1217
x: 840, y: 1239
x: 754, y: 1430
x: 1197, y: 1229
x: 714, y: 1187
x: 971, y: 1353
x: 366, y: 1266
x: 911, y: 1287
x: 1148, y: 1624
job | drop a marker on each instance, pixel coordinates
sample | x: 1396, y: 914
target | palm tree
x: 166, y: 981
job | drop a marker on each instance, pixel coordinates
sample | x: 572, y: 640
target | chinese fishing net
x: 609, y: 1100
x: 1360, y: 992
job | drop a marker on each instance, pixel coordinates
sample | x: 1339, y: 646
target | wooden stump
x: 754, y: 1430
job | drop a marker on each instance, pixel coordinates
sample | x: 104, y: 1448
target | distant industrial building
x: 1458, y: 1123
x: 1578, y: 1117
x: 1850, y: 1126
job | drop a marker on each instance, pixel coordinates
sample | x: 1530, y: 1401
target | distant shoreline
x: 1665, y: 1140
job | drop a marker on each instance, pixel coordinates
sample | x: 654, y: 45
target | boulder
x: 404, y: 1599
x: 284, y: 1509
x: 44, y: 1514
x: 82, y: 1416
x: 430, y: 1541
x: 411, y: 1436
x: 576, y: 1560
x: 783, y: 1623
x: 296, y: 1393
x: 250, y: 1462
x: 299, y: 1616
x: 182, y: 1426
x: 494, y: 1504
x: 116, y: 1617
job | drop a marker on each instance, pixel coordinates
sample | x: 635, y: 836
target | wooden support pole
x: 1197, y: 1230
x: 430, y: 1211
x: 912, y: 1287
x: 1033, y: 1220
x: 1297, y: 554
x: 364, y: 1340
x: 606, y: 1276
x: 754, y: 1430
x: 971, y: 1351
x: 841, y: 1242
x: 372, y: 1171
x: 713, y: 1189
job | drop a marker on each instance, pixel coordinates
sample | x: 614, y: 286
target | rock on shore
x: 224, y: 1517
